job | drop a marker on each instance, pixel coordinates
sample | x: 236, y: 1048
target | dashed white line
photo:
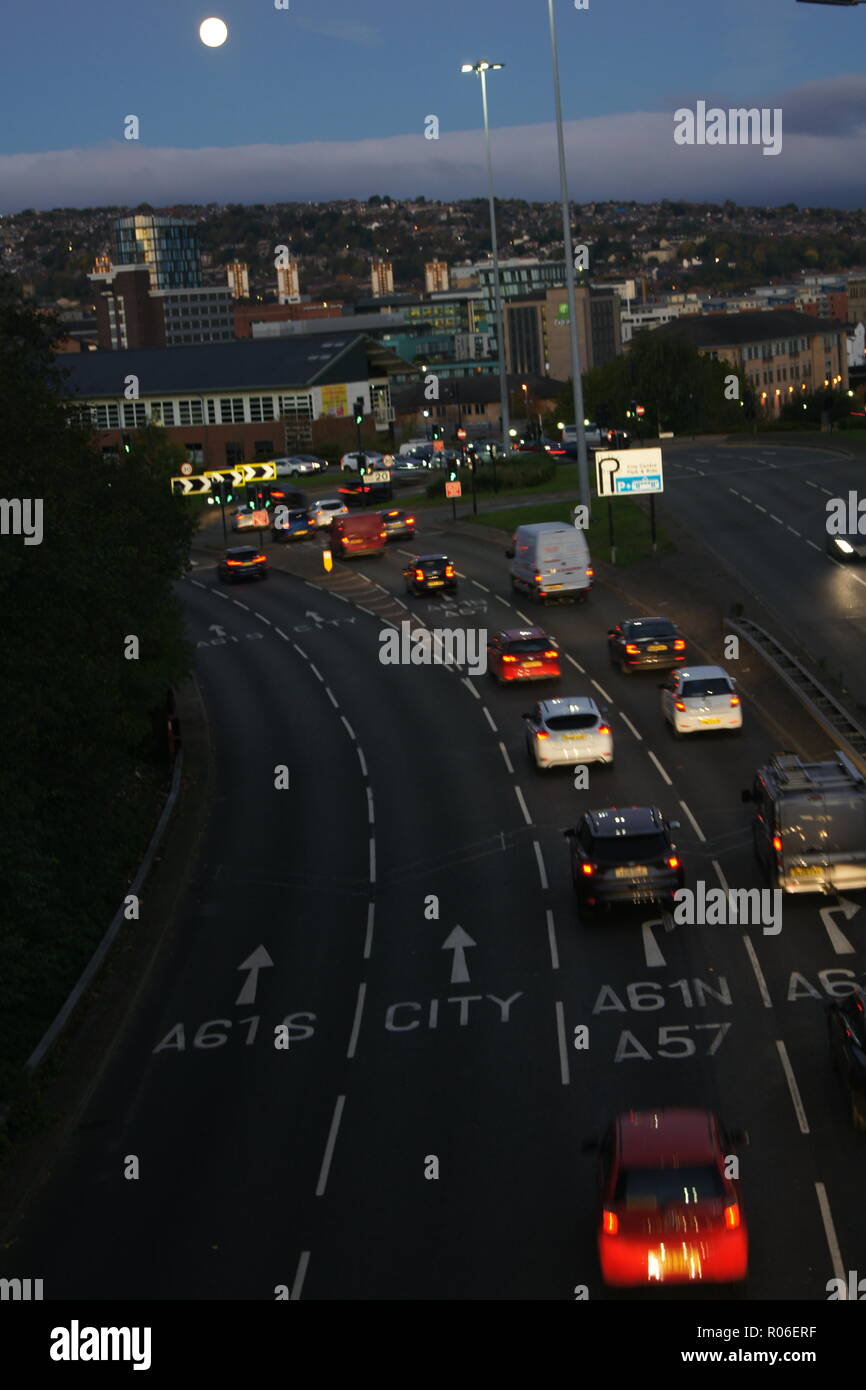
x: 285, y: 636
x: 410, y: 553
x: 830, y: 1234
x: 659, y: 766
x: 300, y: 1275
x: 827, y: 491
x: 362, y: 760
x: 796, y: 1098
x: 542, y: 872
x: 798, y: 534
x: 527, y: 620
x: 198, y: 584
x: 332, y: 697
x: 773, y: 517
x: 523, y: 806
x: 563, y: 1047
x: 734, y: 491
x: 329, y: 1147
x: 341, y: 597
x: 575, y: 663
x: 316, y: 672
x: 760, y: 508
x: 489, y: 718
x: 812, y: 543
x: 371, y: 816
x: 482, y: 587
x: 697, y: 829
x: 400, y: 604
x: 356, y: 1024
x: 504, y: 752
x: 809, y: 483
x: 368, y: 943
x: 366, y: 610
x: 262, y: 619
x: 551, y: 939
x: 300, y: 651
x: 349, y: 730
x: 758, y: 972
x: 372, y: 859
x: 500, y: 599
x: 217, y: 593
x: 625, y: 719
x: 237, y: 603
x: 601, y: 690
x: 310, y: 585
x: 467, y: 682
x: 721, y: 877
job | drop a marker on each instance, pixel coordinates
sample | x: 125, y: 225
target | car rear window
x: 650, y: 628
x: 566, y: 723
x: 529, y: 644
x: 652, y: 1189
x: 718, y: 685
x: 622, y: 849
x: 810, y: 827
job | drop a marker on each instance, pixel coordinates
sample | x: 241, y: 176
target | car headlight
x: 843, y: 545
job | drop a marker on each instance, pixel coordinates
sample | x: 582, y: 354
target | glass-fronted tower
x: 167, y: 246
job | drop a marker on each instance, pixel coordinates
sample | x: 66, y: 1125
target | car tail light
x: 410, y: 521
x: 603, y: 729
x: 673, y: 861
x: 538, y: 579
x: 609, y: 1222
x: 542, y: 733
x: 679, y: 645
x: 449, y: 571
x: 587, y: 869
x: 590, y: 572
x: 679, y: 704
x: 234, y: 562
x: 419, y: 574
x: 551, y: 655
x: 383, y: 535
x: 632, y: 648
x: 777, y: 843
x: 509, y: 658
x: 258, y: 558
x: 732, y: 1216
x: 735, y: 700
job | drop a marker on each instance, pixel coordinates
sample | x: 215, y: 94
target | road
x: 420, y: 1136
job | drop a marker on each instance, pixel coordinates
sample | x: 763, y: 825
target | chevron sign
x: 257, y: 472
x: 232, y: 477
x: 192, y: 486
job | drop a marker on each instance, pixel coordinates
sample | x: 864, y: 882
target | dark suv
x: 621, y: 855
x: 636, y: 643
x: 429, y: 572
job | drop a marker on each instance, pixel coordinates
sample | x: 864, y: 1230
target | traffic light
x: 126, y: 443
x: 359, y: 410
x: 452, y: 475
x: 362, y: 468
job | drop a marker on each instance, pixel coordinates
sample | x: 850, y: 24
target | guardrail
x: 833, y: 718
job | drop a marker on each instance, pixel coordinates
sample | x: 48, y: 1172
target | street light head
x: 467, y: 67
x: 482, y: 67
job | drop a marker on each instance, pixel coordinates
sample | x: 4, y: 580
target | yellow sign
x: 327, y: 561
x: 335, y: 401
x: 257, y: 472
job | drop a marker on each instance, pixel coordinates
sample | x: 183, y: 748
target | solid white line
x: 490, y: 719
x: 812, y: 543
x: 697, y: 829
x: 830, y: 1233
x: 368, y: 943
x: 300, y: 651
x: 542, y: 872
x: 794, y: 1089
x: 601, y: 690
x: 237, y: 603
x: 262, y: 619
x: 759, y: 974
x: 721, y: 877
x: 551, y: 937
x: 284, y: 635
x: 483, y: 587
x: 563, y: 1050
x: 331, y: 696
x: 362, y: 761
x: 349, y: 730
x: 502, y: 600
x: 300, y: 1275
x: 523, y: 806
x: 652, y: 950
x: 504, y: 752
x: 356, y: 1025
x: 626, y: 720
x: 528, y: 621
x: 372, y: 860
x: 329, y: 1147
x: 659, y: 766
x: 469, y: 686
x: 316, y: 672
x: 370, y: 815
x: 575, y: 663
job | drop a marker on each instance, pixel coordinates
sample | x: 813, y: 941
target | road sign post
x: 610, y: 533
x: 653, y: 521
x: 453, y: 490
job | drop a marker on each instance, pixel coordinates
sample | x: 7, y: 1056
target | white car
x: 242, y: 519
x: 371, y: 460
x: 326, y: 510
x: 567, y: 731
x: 291, y: 467
x: 702, y: 699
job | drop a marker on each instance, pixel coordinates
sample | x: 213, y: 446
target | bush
x: 517, y: 471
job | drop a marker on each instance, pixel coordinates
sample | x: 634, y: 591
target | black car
x: 321, y: 465
x: 293, y: 525
x: 359, y: 493
x: 283, y: 496
x: 429, y: 572
x: 636, y: 643
x: 398, y: 524
x: 243, y: 562
x: 624, y: 855
x: 846, y: 1026
x: 847, y: 549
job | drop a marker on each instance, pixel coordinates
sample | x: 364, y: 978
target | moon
x: 213, y: 32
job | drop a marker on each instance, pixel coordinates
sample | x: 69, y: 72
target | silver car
x: 567, y: 731
x: 292, y: 467
x: 326, y: 510
x: 702, y: 699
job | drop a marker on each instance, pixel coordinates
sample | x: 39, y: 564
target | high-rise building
x: 167, y: 246
x: 130, y: 314
x: 238, y: 276
x: 536, y: 331
x: 435, y: 276
x: 382, y: 278
x: 288, y: 285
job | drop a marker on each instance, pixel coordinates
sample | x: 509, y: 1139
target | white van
x: 551, y: 560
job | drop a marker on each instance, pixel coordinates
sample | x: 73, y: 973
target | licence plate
x: 808, y: 870
x: 432, y: 583
x: 633, y: 871
x: 676, y: 1262
x: 527, y: 664
x: 711, y: 721
x: 554, y: 586
x: 570, y: 738
x: 657, y: 647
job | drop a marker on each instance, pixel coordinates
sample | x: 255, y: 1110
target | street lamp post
x: 482, y: 68
x: 576, y: 382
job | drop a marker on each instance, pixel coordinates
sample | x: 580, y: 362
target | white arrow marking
x: 254, y: 963
x: 457, y: 941
x: 315, y: 617
x: 838, y: 940
x: 652, y: 951
x: 215, y: 627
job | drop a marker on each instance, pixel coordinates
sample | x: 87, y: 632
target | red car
x: 523, y: 654
x: 670, y: 1215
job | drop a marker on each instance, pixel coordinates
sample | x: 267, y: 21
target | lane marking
x: 499, y: 599
x: 575, y: 663
x: 467, y: 682
x: 523, y: 806
x: 697, y: 829
x: 356, y: 1025
x: 362, y: 760
x: 237, y: 603
x: 490, y: 719
x: 759, y: 974
x: 773, y: 517
x: 370, y: 815
x: 368, y: 943
x: 528, y: 621
x: 317, y: 673
x: 542, y: 872
x: 198, y: 584
x: 504, y: 752
x: 483, y: 587
x: 349, y: 730
x: 300, y: 651
x: 602, y: 691
x: 551, y: 939
x: 721, y: 877
x: 809, y: 483
x: 659, y: 766
x: 760, y: 508
x: 652, y: 950
x: 830, y: 1234
x: 329, y: 1147
x: 331, y: 696
x: 838, y: 940
x: 300, y: 1275
x: 341, y: 597
x: 365, y: 610
x: 624, y: 717
x: 734, y: 491
x: 794, y: 1089
x: 812, y: 543
x: 563, y: 1050
x: 262, y: 619
x: 796, y: 533
x: 372, y: 859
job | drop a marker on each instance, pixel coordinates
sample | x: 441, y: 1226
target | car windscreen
x: 816, y: 824
x: 649, y: 628
x: 652, y: 1189
x: 528, y: 644
x: 622, y: 849
x: 718, y: 685
x: 566, y: 723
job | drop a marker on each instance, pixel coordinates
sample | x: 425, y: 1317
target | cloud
x: 349, y: 30
x: 624, y: 156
